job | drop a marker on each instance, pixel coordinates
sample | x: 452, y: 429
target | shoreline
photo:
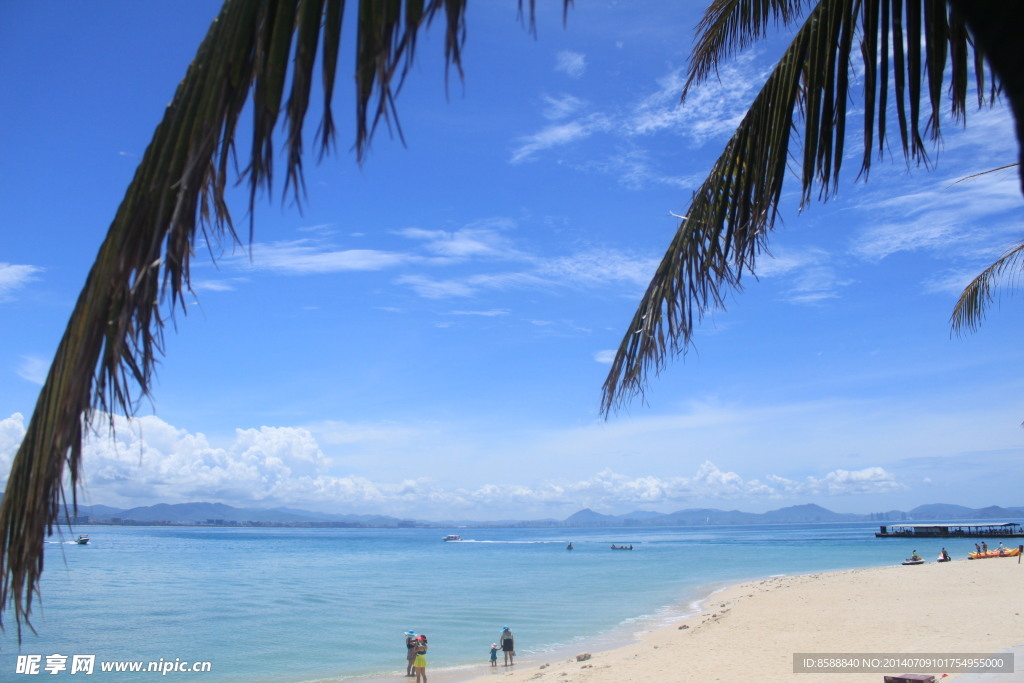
x: 627, y: 633
x: 753, y: 629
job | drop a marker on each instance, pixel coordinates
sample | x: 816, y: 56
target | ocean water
x: 312, y: 605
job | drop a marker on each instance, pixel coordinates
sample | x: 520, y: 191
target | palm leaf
x: 727, y: 223
x: 970, y: 307
x: 106, y: 358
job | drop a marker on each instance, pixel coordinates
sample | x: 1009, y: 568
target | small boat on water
x: 452, y: 537
x: 83, y: 539
x: 997, y: 552
x: 909, y: 561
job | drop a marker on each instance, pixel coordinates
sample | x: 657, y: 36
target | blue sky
x: 427, y: 336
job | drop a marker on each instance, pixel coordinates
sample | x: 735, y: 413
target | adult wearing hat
x: 410, y: 651
x: 508, y: 645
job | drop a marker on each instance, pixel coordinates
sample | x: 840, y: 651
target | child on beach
x: 494, y: 654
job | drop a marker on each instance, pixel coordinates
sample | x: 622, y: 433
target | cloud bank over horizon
x: 147, y: 460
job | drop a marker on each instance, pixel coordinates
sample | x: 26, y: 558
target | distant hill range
x: 218, y: 514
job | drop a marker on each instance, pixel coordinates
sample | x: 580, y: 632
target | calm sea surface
x: 303, y: 605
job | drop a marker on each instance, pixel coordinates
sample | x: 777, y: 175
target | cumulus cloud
x: 840, y: 482
x: 147, y: 460
x: 12, y: 431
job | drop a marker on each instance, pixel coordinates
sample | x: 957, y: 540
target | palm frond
x: 106, y: 358
x: 729, y: 26
x: 731, y: 214
x: 974, y: 300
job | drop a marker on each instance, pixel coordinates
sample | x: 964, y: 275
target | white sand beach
x: 750, y: 632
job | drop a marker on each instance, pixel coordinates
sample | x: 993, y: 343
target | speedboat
x: 453, y: 537
x: 82, y: 539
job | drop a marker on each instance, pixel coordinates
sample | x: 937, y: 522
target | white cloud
x: 148, y: 460
x: 213, y: 286
x: 841, y: 482
x: 636, y: 170
x: 556, y: 108
x: 437, y: 289
x: 12, y: 431
x: 557, y: 135
x: 949, y: 282
x: 463, y: 243
x: 712, y: 110
x: 33, y: 369
x: 572, y: 64
x: 598, y: 266
x: 14, y: 277
x: 301, y: 256
x: 591, y: 268
x: 943, y: 218
x: 605, y: 356
x: 484, y: 314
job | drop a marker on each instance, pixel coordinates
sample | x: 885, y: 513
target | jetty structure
x: 1004, y: 530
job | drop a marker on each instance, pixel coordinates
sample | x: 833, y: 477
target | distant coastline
x: 221, y: 515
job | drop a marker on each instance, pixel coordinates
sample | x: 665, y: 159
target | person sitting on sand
x: 508, y: 645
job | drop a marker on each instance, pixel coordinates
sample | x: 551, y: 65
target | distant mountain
x: 640, y: 514
x: 221, y: 514
x: 802, y: 514
x: 945, y: 512
x: 996, y: 512
x: 706, y: 516
x: 203, y: 512
x: 940, y: 511
x: 587, y: 517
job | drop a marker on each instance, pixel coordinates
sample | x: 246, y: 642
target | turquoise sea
x: 304, y: 605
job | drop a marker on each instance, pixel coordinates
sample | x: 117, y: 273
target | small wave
x: 473, y: 540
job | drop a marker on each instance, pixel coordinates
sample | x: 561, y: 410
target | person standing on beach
x: 494, y: 654
x: 508, y: 645
x: 420, y: 663
x: 410, y: 651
